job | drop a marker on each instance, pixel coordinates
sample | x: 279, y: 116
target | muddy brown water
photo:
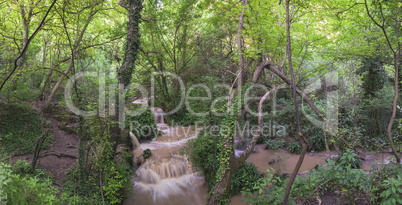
x: 167, y: 177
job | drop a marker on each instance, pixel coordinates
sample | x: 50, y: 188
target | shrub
x: 20, y: 127
x: 393, y: 191
x: 386, y: 185
x: 349, y: 158
x: 273, y: 144
x: 317, y: 141
x: 332, y: 176
x: 244, y: 176
x: 115, y: 181
x: 202, y: 153
x: 143, y: 126
x: 147, y: 153
x: 17, y: 189
x: 267, y: 190
x: 295, y: 147
x: 80, y: 188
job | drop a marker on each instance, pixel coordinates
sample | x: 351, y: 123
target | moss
x: 20, y: 127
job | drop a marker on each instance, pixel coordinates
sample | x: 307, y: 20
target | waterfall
x: 154, y: 171
x: 168, y: 181
x: 166, y: 177
x: 134, y: 139
x: 158, y: 113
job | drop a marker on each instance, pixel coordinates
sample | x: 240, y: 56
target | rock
x: 139, y: 160
x: 255, y: 150
x: 123, y: 155
x: 240, y: 144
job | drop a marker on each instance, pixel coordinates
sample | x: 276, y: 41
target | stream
x: 167, y: 177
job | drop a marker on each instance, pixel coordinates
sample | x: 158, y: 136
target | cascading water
x: 166, y: 177
x: 155, y: 170
x: 135, y: 141
x: 158, y: 113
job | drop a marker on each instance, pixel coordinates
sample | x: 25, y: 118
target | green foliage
x: 349, y: 158
x: 295, y: 147
x: 267, y: 190
x: 273, y: 144
x: 20, y: 127
x: 147, y: 153
x: 203, y: 155
x: 183, y: 118
x: 17, y: 189
x: 386, y: 185
x: 114, y: 178
x: 393, y: 192
x: 331, y: 177
x: 18, y: 92
x: 373, y: 75
x: 199, y: 110
x: 79, y: 190
x: 114, y: 183
x: 316, y: 141
x: 102, y: 176
x: 244, y: 177
x: 143, y: 126
x: 24, y: 169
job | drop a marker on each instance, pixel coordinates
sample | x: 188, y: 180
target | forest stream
x: 168, y: 178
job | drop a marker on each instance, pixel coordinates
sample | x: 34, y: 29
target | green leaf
x: 387, y: 193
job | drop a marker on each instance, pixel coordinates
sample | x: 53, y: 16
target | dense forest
x: 200, y: 102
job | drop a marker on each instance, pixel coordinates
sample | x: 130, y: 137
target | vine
x: 226, y: 144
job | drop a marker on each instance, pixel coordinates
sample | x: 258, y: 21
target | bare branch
x: 250, y: 146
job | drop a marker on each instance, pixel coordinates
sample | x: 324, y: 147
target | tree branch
x: 250, y: 146
x: 26, y: 45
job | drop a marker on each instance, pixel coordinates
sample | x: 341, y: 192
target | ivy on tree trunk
x: 134, y: 8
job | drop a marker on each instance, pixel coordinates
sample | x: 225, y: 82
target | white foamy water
x: 166, y: 178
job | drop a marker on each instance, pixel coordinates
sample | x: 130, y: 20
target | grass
x: 20, y: 127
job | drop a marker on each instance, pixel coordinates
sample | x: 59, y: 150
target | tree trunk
x: 134, y: 8
x: 303, y: 141
x: 220, y: 192
x: 221, y: 189
x: 74, y: 50
x: 397, y: 54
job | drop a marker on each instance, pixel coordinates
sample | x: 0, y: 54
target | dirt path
x: 61, y: 155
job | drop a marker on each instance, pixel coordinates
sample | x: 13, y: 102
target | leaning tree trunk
x: 220, y: 192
